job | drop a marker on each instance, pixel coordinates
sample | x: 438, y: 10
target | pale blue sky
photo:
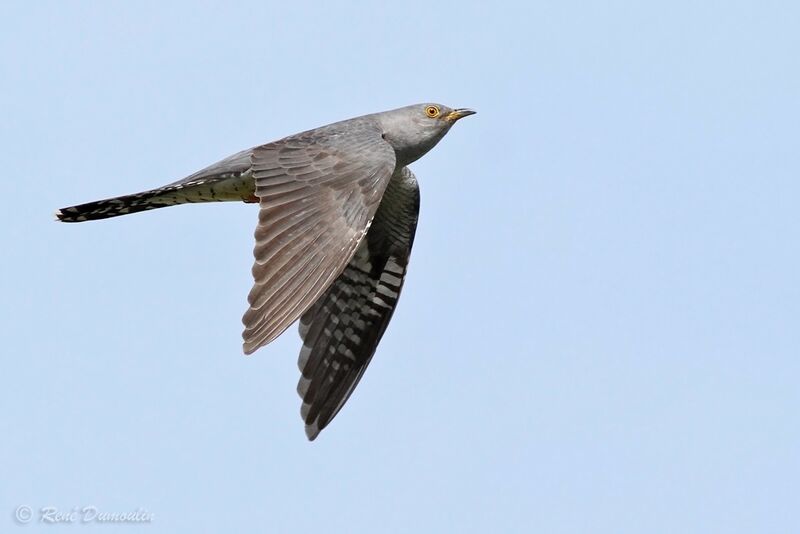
x: 600, y: 327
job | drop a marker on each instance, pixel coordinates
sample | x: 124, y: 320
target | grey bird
x: 338, y: 210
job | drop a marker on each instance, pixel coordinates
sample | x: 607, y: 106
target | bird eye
x: 432, y: 111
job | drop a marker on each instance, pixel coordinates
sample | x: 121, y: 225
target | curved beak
x: 459, y: 113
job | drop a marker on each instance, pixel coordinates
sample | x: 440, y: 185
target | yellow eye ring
x: 432, y: 111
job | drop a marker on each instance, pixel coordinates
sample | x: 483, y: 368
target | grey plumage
x: 226, y: 180
x: 338, y: 213
x: 342, y: 329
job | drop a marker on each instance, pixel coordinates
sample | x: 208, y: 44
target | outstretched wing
x: 318, y: 192
x: 342, y: 329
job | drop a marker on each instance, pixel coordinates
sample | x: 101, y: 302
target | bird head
x: 414, y: 130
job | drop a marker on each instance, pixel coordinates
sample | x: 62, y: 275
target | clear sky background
x: 599, y: 332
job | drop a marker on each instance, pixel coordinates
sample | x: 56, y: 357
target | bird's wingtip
x: 312, y: 431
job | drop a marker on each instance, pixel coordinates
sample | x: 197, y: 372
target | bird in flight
x: 338, y: 210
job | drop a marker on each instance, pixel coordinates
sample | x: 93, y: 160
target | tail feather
x: 220, y: 188
x: 113, y: 207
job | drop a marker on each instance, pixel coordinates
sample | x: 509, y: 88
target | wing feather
x: 318, y: 192
x: 341, y: 330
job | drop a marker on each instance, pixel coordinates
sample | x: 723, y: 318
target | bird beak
x: 459, y: 113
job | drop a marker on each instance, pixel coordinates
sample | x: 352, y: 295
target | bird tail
x: 217, y: 189
x: 113, y: 207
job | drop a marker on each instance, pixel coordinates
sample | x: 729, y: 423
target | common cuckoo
x: 338, y: 210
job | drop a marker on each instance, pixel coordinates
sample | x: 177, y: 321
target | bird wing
x: 342, y: 329
x: 318, y: 192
